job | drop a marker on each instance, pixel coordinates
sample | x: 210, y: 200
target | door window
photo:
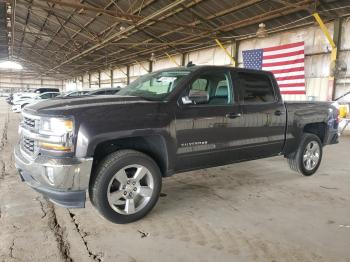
x: 215, y: 85
x: 255, y: 88
x: 45, y: 96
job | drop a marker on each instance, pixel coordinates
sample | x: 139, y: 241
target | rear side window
x: 255, y: 88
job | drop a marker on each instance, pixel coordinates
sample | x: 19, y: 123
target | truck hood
x: 66, y: 106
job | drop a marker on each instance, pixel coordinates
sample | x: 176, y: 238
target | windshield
x: 154, y: 86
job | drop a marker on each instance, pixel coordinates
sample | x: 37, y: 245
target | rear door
x: 263, y: 113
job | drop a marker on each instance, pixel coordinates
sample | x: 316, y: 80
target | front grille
x: 29, y: 122
x: 28, y: 145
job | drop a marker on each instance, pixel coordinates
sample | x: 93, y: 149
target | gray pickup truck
x: 118, y: 148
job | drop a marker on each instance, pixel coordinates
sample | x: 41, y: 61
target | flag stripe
x: 289, y: 54
x: 287, y: 70
x: 296, y: 88
x: 301, y: 60
x: 291, y: 85
x: 289, y: 78
x: 275, y: 68
x: 283, y: 51
x: 284, y: 59
x: 293, y: 92
x: 283, y: 46
x: 299, y: 73
x: 293, y: 81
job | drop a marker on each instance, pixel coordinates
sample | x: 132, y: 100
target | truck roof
x: 198, y: 67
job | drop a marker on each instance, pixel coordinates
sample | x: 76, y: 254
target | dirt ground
x: 254, y: 211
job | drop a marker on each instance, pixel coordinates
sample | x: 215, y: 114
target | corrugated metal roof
x: 3, y: 32
x: 73, y: 37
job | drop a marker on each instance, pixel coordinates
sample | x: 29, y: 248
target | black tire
x: 106, y: 170
x: 295, y: 160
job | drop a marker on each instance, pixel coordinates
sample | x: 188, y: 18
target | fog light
x: 49, y: 174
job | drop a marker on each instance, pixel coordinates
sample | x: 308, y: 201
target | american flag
x: 286, y: 62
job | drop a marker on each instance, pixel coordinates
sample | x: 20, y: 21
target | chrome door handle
x: 278, y: 113
x: 233, y: 115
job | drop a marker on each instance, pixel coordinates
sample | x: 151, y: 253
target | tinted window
x: 110, y: 92
x: 200, y: 84
x: 216, y: 85
x: 45, y: 96
x: 155, y: 86
x: 255, y: 88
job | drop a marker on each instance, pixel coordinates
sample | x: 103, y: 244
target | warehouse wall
x: 22, y: 83
x: 317, y: 59
x: 343, y: 81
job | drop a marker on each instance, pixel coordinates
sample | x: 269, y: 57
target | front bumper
x: 63, y: 181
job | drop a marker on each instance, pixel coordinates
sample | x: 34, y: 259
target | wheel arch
x: 151, y: 145
x: 318, y: 129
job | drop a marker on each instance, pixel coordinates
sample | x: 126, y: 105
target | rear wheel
x: 307, y: 158
x: 126, y: 186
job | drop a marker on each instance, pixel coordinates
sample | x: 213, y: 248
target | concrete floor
x: 254, y: 211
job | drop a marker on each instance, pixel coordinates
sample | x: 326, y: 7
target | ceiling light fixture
x: 10, y: 65
x: 261, y: 32
x: 153, y: 57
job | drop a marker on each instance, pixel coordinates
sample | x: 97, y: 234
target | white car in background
x: 25, y: 100
x: 20, y: 96
x: 74, y: 93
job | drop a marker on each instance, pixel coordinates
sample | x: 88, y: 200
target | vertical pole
x: 335, y: 51
x: 234, y: 51
x: 150, y: 66
x: 99, y: 79
x: 183, y: 59
x: 89, y: 80
x: 127, y: 74
x: 112, y: 78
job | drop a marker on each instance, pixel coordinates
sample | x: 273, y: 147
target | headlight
x: 56, y: 125
x: 58, y: 132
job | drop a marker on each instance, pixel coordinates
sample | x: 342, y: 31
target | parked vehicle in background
x: 21, y: 100
x: 46, y: 90
x: 4, y: 94
x: 29, y: 100
x: 119, y: 148
x: 9, y: 98
x: 105, y: 91
x: 74, y: 93
x: 19, y: 96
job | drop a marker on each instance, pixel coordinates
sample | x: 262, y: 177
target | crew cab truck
x: 118, y: 148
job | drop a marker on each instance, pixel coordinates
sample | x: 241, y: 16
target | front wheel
x: 307, y: 158
x: 126, y: 186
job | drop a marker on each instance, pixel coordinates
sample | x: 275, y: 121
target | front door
x: 206, y: 128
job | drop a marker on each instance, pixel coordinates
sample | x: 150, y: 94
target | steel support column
x: 334, y: 53
x: 112, y: 78
x: 233, y: 61
x: 127, y: 74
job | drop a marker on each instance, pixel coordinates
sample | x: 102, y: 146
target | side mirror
x: 196, y: 97
x: 186, y: 100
